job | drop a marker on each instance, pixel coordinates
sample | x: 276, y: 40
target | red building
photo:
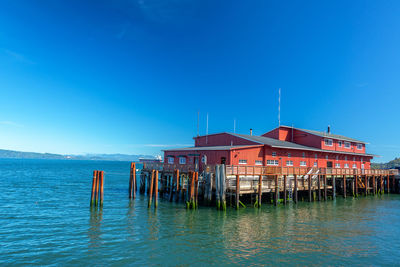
x: 283, y: 146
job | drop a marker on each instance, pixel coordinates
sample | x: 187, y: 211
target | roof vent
x: 329, y: 129
x: 251, y: 131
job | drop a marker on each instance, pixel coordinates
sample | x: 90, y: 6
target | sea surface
x: 45, y: 219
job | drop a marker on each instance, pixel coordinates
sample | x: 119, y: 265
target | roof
x: 324, y: 134
x: 285, y: 144
x: 202, y: 148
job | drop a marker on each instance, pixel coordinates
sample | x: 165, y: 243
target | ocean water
x: 45, y: 219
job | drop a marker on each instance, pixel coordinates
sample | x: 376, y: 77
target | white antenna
x: 279, y: 108
x: 234, y: 125
x: 207, y: 130
x: 198, y: 118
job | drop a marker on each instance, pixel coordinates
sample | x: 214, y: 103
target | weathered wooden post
x: 259, y: 190
x: 309, y: 188
x: 217, y: 186
x: 223, y: 186
x: 276, y: 190
x: 97, y: 188
x: 344, y: 186
x: 284, y: 190
x: 388, y: 183
x: 92, y: 197
x: 130, y: 182
x: 151, y: 188
x: 325, y: 189
x: 156, y: 190
x: 295, y: 188
x: 333, y: 186
x: 373, y: 185
x: 101, y: 188
x: 237, y: 191
x: 134, y: 187
x: 356, y: 185
x: 196, y: 190
x: 319, y: 187
x: 366, y: 184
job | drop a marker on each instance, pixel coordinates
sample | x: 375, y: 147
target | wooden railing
x: 263, y: 170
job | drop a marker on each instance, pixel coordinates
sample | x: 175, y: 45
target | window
x: 328, y: 142
x: 304, y: 154
x: 326, y: 157
x: 258, y: 162
x: 315, y: 164
x: 289, y: 155
x: 316, y: 156
x: 289, y: 163
x: 340, y: 143
x: 346, y: 165
x: 362, y: 166
x: 337, y: 157
x: 272, y: 162
x: 337, y: 165
x: 354, y: 158
x: 347, y: 145
x: 274, y: 154
x: 359, y: 146
x: 303, y: 163
x: 354, y: 166
x: 345, y: 158
x: 361, y: 160
x: 204, y: 159
x: 182, y: 160
x: 242, y: 161
x: 170, y: 160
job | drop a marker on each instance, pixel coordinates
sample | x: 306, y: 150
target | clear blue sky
x: 130, y: 76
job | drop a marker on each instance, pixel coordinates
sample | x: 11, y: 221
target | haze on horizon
x: 129, y: 77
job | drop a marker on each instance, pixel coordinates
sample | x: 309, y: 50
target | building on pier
x: 284, y: 146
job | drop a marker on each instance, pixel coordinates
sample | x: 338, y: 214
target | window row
x: 329, y: 142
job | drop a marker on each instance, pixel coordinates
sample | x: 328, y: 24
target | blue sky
x: 130, y: 76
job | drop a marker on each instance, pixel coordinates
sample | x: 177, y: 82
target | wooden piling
x: 295, y: 189
x: 276, y: 191
x: 309, y: 188
x: 151, y: 188
x: 373, y: 185
x: 130, y: 183
x: 388, y: 184
x: 366, y: 184
x: 319, y: 187
x: 237, y: 191
x: 259, y: 191
x: 92, y: 197
x: 344, y: 186
x: 196, y: 190
x: 134, y: 187
x: 356, y: 185
x: 284, y: 190
x: 101, y: 180
x: 333, y: 186
x: 96, y: 198
x: 156, y: 190
x: 325, y: 189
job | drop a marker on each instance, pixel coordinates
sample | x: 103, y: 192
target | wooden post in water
x: 295, y: 188
x: 333, y: 186
x: 319, y: 187
x: 366, y: 184
x: 309, y: 188
x: 237, y: 191
x: 130, y: 182
x: 284, y: 190
x: 134, y: 187
x: 259, y: 191
x: 382, y: 188
x: 344, y: 186
x: 356, y: 185
x: 101, y: 188
x: 156, y: 189
x: 325, y: 189
x: 151, y: 188
x: 373, y: 185
x: 92, y: 198
x: 276, y: 190
x: 388, y: 184
x: 96, y: 198
x: 196, y: 190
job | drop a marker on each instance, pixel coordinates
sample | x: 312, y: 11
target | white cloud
x: 11, y: 123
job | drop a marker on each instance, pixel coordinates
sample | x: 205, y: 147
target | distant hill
x: 393, y: 164
x: 11, y: 154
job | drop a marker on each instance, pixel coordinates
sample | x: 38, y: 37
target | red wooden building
x: 284, y: 146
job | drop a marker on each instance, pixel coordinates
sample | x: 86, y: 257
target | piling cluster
x: 97, y: 189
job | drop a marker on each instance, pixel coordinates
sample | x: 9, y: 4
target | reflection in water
x: 96, y: 217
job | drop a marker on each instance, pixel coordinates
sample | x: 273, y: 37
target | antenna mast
x: 207, y: 130
x: 198, y: 118
x: 279, y: 108
x: 234, y: 125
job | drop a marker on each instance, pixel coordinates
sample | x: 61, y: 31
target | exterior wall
x: 264, y: 153
x: 222, y: 139
x: 307, y: 139
x: 213, y: 156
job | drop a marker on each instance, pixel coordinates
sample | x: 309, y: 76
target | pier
x: 240, y: 186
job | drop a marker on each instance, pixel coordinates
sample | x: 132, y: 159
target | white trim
x: 243, y: 161
x: 289, y: 163
x: 329, y: 140
x: 345, y: 143
x: 258, y: 162
x: 358, y: 144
